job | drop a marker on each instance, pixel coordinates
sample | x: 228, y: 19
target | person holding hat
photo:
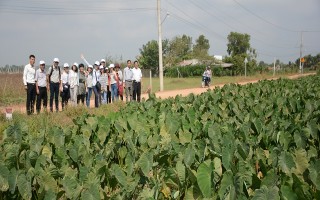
x: 89, y: 85
x: 113, y: 83
x: 29, y: 84
x: 65, y: 85
x: 74, y: 83
x: 53, y: 80
x: 96, y: 85
x: 82, y: 84
x: 41, y: 87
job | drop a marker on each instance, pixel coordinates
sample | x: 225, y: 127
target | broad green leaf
x: 265, y: 193
x: 227, y: 184
x: 92, y: 122
x: 4, y: 177
x: 193, y: 193
x: 189, y: 156
x: 12, y: 179
x: 204, y: 179
x: 301, y: 161
x: 181, y: 171
x: 50, y: 195
x: 227, y: 156
x: 185, y: 137
x: 314, y: 170
x: 91, y: 193
x: 24, y: 187
x: 145, y: 162
x: 286, y: 162
x: 119, y: 174
x: 287, y: 193
x: 47, y: 152
x: 217, y: 169
x: 122, y: 152
x: 71, y: 187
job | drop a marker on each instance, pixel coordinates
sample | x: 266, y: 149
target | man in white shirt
x: 95, y: 79
x: 41, y: 87
x: 128, y: 78
x: 29, y: 84
x: 137, y: 81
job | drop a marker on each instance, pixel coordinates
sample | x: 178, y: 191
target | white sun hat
x: 56, y: 60
x: 42, y: 62
x: 65, y: 65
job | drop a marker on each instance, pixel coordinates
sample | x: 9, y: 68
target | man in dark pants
x: 54, y: 76
x: 137, y: 81
x: 29, y: 84
x: 41, y: 87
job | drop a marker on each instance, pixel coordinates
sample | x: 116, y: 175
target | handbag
x: 98, y: 84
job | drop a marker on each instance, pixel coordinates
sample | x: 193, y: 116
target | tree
x: 239, y: 48
x: 180, y: 48
x: 149, y: 55
x: 238, y: 43
x: 201, y: 48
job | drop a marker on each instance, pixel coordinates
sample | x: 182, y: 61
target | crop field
x: 12, y: 91
x: 257, y: 141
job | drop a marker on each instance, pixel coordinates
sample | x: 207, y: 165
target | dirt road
x: 165, y: 94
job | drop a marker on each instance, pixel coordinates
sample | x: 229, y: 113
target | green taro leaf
x: 189, y: 156
x: 265, y: 193
x: 92, y: 122
x: 185, y: 137
x: 24, y: 187
x: 91, y: 193
x: 287, y: 193
x: 286, y: 162
x: 314, y: 170
x: 181, y: 171
x: 13, y: 179
x: 204, y: 179
x: 4, y: 176
x: 145, y: 163
x: 301, y: 161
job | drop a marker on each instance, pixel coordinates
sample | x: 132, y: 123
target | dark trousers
x: 65, y: 96
x: 96, y: 96
x: 80, y: 97
x: 108, y: 95
x: 31, y: 97
x: 42, y: 96
x: 136, y: 91
x: 54, y: 93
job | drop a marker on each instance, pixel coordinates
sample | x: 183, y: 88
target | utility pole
x: 160, y: 45
x: 274, y: 66
x: 301, y: 46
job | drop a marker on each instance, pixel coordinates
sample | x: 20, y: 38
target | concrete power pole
x: 301, y: 46
x: 160, y: 45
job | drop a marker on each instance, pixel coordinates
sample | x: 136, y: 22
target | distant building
x: 189, y: 62
x: 218, y: 58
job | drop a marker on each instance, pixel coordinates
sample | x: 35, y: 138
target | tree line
x: 239, y: 48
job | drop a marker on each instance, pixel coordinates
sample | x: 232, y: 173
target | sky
x: 119, y: 28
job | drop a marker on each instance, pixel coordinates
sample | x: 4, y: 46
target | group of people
x: 76, y: 83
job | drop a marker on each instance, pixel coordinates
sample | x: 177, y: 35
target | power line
x: 268, y: 22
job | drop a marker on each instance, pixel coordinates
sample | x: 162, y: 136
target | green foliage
x: 258, y: 141
x: 186, y: 71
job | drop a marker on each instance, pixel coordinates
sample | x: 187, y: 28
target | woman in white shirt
x: 89, y: 85
x: 65, y: 85
x: 73, y: 75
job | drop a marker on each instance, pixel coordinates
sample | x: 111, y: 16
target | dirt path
x: 165, y: 94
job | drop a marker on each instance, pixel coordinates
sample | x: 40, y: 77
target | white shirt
x: 137, y: 74
x: 127, y: 74
x: 29, y: 74
x: 65, y: 78
x: 41, y: 78
x: 73, y: 76
x: 95, y: 77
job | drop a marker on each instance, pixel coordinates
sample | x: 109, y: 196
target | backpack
x: 52, y: 71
